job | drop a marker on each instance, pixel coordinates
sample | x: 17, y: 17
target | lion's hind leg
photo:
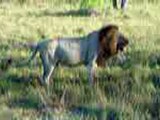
x: 48, y: 68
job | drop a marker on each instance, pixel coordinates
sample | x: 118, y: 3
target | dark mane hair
x: 107, y: 43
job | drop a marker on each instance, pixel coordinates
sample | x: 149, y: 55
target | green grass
x: 128, y: 91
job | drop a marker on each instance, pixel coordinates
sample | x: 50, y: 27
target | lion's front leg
x: 91, y: 74
x: 92, y: 71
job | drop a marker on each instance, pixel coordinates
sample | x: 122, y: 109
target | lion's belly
x: 70, y: 56
x: 69, y: 52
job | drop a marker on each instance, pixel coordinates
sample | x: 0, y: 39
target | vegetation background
x: 127, y: 90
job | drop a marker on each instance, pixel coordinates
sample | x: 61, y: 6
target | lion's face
x: 122, y: 42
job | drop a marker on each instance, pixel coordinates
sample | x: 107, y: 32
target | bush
x: 92, y: 4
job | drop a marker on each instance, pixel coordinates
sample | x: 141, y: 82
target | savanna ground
x: 125, y: 91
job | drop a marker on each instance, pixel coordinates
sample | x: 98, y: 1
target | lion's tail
x: 34, y: 52
x: 34, y: 49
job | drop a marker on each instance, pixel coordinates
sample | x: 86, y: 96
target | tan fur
x: 91, y: 50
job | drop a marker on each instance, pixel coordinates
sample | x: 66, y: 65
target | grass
x: 128, y: 91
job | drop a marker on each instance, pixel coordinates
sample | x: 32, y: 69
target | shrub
x: 92, y: 4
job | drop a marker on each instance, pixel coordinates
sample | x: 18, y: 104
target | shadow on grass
x: 20, y: 80
x: 73, y: 13
x: 22, y: 94
x: 79, y: 13
x: 155, y: 77
x: 25, y: 103
x: 154, y: 60
x: 14, y: 83
x: 98, y: 113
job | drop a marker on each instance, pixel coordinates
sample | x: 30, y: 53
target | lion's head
x: 111, y: 41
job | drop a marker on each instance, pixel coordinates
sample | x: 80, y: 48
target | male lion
x: 91, y: 50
